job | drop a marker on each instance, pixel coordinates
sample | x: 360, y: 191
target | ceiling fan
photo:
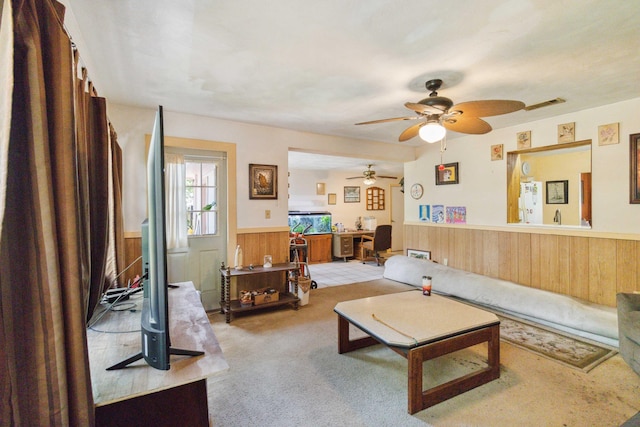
x: 437, y: 113
x: 369, y: 176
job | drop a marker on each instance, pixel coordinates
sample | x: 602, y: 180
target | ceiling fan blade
x: 356, y: 177
x: 487, y: 108
x: 387, y: 177
x: 411, y: 132
x: 466, y: 124
x: 423, y: 109
x: 395, y: 119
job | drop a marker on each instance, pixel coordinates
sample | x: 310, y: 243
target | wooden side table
x: 229, y: 305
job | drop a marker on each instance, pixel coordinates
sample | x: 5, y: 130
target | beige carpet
x: 285, y: 371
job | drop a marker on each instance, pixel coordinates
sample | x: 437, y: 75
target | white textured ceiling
x: 321, y: 66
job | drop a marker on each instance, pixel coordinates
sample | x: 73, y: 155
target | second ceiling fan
x: 437, y: 113
x: 369, y: 176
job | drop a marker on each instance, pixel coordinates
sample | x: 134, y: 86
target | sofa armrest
x: 629, y: 315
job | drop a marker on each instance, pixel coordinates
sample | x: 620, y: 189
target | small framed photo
x: 566, y: 132
x: 496, y: 152
x: 608, y: 134
x: 416, y: 253
x: 331, y: 198
x: 320, y: 188
x: 352, y: 194
x: 524, y: 139
x: 263, y: 181
x: 557, y: 192
x: 447, y: 174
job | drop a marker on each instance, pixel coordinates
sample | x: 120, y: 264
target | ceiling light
x: 432, y: 132
x: 369, y: 180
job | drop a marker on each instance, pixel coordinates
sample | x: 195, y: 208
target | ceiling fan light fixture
x: 369, y: 180
x: 432, y: 132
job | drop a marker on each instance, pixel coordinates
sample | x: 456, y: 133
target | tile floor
x: 343, y: 273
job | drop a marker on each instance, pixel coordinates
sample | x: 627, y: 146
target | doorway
x: 397, y: 218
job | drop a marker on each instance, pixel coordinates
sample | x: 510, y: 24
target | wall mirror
x: 533, y: 172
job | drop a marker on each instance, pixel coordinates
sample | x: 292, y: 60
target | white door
x: 207, y: 223
x: 397, y: 219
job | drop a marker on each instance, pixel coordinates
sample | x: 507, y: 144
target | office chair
x: 381, y: 241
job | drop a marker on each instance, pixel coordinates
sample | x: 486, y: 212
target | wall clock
x: 416, y: 191
x: 526, y: 168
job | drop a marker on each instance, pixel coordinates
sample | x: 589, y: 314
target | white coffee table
x: 421, y: 328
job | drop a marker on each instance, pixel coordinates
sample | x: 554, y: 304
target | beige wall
x: 482, y: 187
x: 255, y: 144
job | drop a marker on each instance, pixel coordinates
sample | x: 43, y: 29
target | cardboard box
x: 266, y: 297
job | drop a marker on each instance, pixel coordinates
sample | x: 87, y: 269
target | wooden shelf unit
x: 251, y: 280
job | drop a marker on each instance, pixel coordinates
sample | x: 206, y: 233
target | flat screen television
x: 154, y: 323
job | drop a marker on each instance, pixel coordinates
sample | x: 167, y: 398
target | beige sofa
x: 578, y: 317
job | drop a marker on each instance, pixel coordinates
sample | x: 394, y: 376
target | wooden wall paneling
x: 416, y: 237
x: 536, y: 264
x: 579, y: 267
x: 548, y: 261
x: 256, y: 245
x: 505, y: 258
x: 132, y: 251
x: 490, y: 254
x: 627, y: 266
x: 443, y: 239
x: 460, y: 257
x: 637, y: 263
x: 275, y: 244
x: 249, y: 243
x: 562, y: 280
x: 511, y: 252
x: 524, y: 262
x: 477, y: 251
x: 602, y: 271
x: 433, y: 236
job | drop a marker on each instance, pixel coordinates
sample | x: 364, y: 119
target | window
x: 202, y: 195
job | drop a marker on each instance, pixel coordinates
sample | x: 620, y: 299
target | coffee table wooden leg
x: 419, y: 399
x: 344, y: 344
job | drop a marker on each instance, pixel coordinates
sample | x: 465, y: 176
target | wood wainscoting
x: 255, y: 245
x: 583, y: 264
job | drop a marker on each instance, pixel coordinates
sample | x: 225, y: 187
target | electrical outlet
x: 267, y: 214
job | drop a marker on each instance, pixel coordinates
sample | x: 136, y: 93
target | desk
x: 140, y: 394
x: 343, y: 243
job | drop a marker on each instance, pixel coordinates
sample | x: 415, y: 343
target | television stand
x: 174, y: 397
x: 136, y: 357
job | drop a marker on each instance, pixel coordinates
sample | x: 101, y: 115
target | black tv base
x: 136, y: 357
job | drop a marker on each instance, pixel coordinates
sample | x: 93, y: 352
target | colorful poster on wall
x: 425, y: 213
x: 456, y: 215
x: 437, y: 214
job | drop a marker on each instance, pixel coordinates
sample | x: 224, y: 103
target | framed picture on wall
x: 331, y: 198
x: 352, y: 194
x: 263, y: 181
x: 557, y: 192
x: 415, y: 253
x: 447, y: 174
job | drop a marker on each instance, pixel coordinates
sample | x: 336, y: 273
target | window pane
x: 201, y: 196
x: 209, y: 174
x: 209, y: 222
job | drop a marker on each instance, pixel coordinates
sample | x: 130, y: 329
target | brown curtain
x: 55, y: 216
x: 116, y: 255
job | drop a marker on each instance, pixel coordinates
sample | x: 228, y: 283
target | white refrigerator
x: 531, y: 202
